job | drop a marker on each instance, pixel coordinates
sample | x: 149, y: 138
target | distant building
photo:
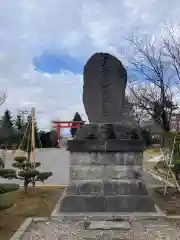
x: 175, y: 122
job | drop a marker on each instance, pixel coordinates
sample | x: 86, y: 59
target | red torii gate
x: 66, y: 124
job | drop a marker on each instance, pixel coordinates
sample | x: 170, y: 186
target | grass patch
x: 150, y: 153
x: 34, y: 204
x: 153, y: 150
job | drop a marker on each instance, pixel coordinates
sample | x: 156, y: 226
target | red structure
x: 65, y: 124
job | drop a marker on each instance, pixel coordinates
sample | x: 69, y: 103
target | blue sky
x: 54, y: 63
x: 44, y: 45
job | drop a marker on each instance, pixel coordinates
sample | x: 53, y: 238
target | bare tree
x: 151, y: 90
x: 171, y: 43
x: 131, y: 114
x: 3, y: 97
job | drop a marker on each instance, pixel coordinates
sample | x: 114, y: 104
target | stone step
x: 106, y: 158
x: 107, y: 188
x: 108, y: 225
x: 90, y: 172
x: 75, y: 203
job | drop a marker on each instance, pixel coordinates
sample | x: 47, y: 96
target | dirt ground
x: 170, y: 203
x: 34, y: 204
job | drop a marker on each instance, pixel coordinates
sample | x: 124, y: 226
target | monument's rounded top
x: 100, y: 56
x: 104, y: 86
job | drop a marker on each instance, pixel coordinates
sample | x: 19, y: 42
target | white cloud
x: 27, y: 28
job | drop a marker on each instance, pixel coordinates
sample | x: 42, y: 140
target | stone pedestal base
x: 116, y: 204
x: 106, y: 181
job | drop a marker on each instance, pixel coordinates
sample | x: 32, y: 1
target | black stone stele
x: 105, y: 81
x: 106, y: 155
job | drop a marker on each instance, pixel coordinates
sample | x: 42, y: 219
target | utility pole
x: 22, y: 113
x: 33, y: 135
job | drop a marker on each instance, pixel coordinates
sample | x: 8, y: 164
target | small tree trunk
x: 26, y: 185
x: 176, y: 171
x: 163, y: 141
x: 33, y: 185
x: 166, y: 128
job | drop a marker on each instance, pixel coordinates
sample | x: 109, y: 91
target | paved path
x: 53, y: 160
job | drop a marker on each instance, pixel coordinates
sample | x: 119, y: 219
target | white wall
x: 54, y: 160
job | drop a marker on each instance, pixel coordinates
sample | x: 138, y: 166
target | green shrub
x: 20, y: 159
x: 8, y: 187
x: 28, y: 172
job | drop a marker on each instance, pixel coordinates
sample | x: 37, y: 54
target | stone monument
x: 104, y: 88
x: 106, y: 154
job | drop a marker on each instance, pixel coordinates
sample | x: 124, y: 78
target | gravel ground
x: 143, y: 229
x: 57, y: 161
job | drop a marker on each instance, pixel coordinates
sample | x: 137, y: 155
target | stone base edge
x: 56, y: 213
x: 109, y: 216
x: 56, y: 209
x: 23, y: 228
